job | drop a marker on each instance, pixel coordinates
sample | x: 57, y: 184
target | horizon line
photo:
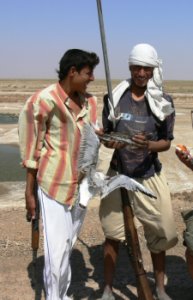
x: 96, y: 79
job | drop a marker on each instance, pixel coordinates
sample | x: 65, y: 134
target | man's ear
x: 72, y: 71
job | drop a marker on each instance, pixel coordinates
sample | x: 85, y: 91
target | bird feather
x: 98, y: 183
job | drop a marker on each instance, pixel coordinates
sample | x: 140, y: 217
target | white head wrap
x: 146, y: 55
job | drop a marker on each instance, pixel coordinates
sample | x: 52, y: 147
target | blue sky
x: 35, y: 34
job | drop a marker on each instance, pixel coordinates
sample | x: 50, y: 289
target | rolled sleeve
x: 31, y: 164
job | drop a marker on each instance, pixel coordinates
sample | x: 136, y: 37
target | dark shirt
x: 136, y: 116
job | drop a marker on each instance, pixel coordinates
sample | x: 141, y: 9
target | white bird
x: 94, y: 182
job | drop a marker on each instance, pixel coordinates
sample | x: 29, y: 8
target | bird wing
x: 89, y: 148
x: 122, y: 181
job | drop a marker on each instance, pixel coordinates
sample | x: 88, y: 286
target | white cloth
x: 60, y: 227
x: 146, y: 55
x: 84, y: 192
x: 78, y: 215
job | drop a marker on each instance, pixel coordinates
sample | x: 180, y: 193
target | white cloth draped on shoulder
x: 145, y: 55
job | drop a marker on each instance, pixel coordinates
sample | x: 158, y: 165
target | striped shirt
x: 49, y: 138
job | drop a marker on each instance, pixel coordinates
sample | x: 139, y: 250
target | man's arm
x: 32, y: 128
x: 30, y: 193
x: 152, y: 146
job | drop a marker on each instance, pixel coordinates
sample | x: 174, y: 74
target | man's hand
x: 141, y: 141
x: 110, y: 144
x: 185, y: 158
x: 99, y: 131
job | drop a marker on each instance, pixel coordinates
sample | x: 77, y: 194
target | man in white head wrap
x: 145, y: 55
x: 142, y: 110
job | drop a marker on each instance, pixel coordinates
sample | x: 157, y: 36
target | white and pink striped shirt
x: 49, y: 138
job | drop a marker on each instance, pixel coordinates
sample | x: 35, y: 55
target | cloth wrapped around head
x: 146, y: 55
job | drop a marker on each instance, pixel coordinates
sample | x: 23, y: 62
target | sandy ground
x: 18, y: 278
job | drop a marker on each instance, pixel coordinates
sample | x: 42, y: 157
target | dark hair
x: 76, y: 58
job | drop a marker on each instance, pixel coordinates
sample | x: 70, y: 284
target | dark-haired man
x: 148, y: 114
x: 50, y: 126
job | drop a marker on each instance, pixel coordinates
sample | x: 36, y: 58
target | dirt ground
x: 21, y: 280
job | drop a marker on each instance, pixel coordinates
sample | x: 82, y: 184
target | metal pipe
x: 105, y: 56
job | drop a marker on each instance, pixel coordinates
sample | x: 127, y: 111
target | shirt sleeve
x: 32, y: 129
x: 107, y: 125
x: 166, y: 129
x: 92, y: 103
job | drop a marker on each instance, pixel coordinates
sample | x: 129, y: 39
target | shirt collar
x: 65, y: 99
x: 62, y: 94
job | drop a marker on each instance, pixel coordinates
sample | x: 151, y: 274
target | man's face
x: 82, y: 78
x: 140, y: 75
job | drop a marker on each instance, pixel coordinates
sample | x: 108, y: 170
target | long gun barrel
x: 34, y: 231
x: 35, y: 234
x: 133, y: 249
x: 143, y: 288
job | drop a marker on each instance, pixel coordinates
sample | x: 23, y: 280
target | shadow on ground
x: 35, y: 274
x: 87, y: 276
x: 179, y: 285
